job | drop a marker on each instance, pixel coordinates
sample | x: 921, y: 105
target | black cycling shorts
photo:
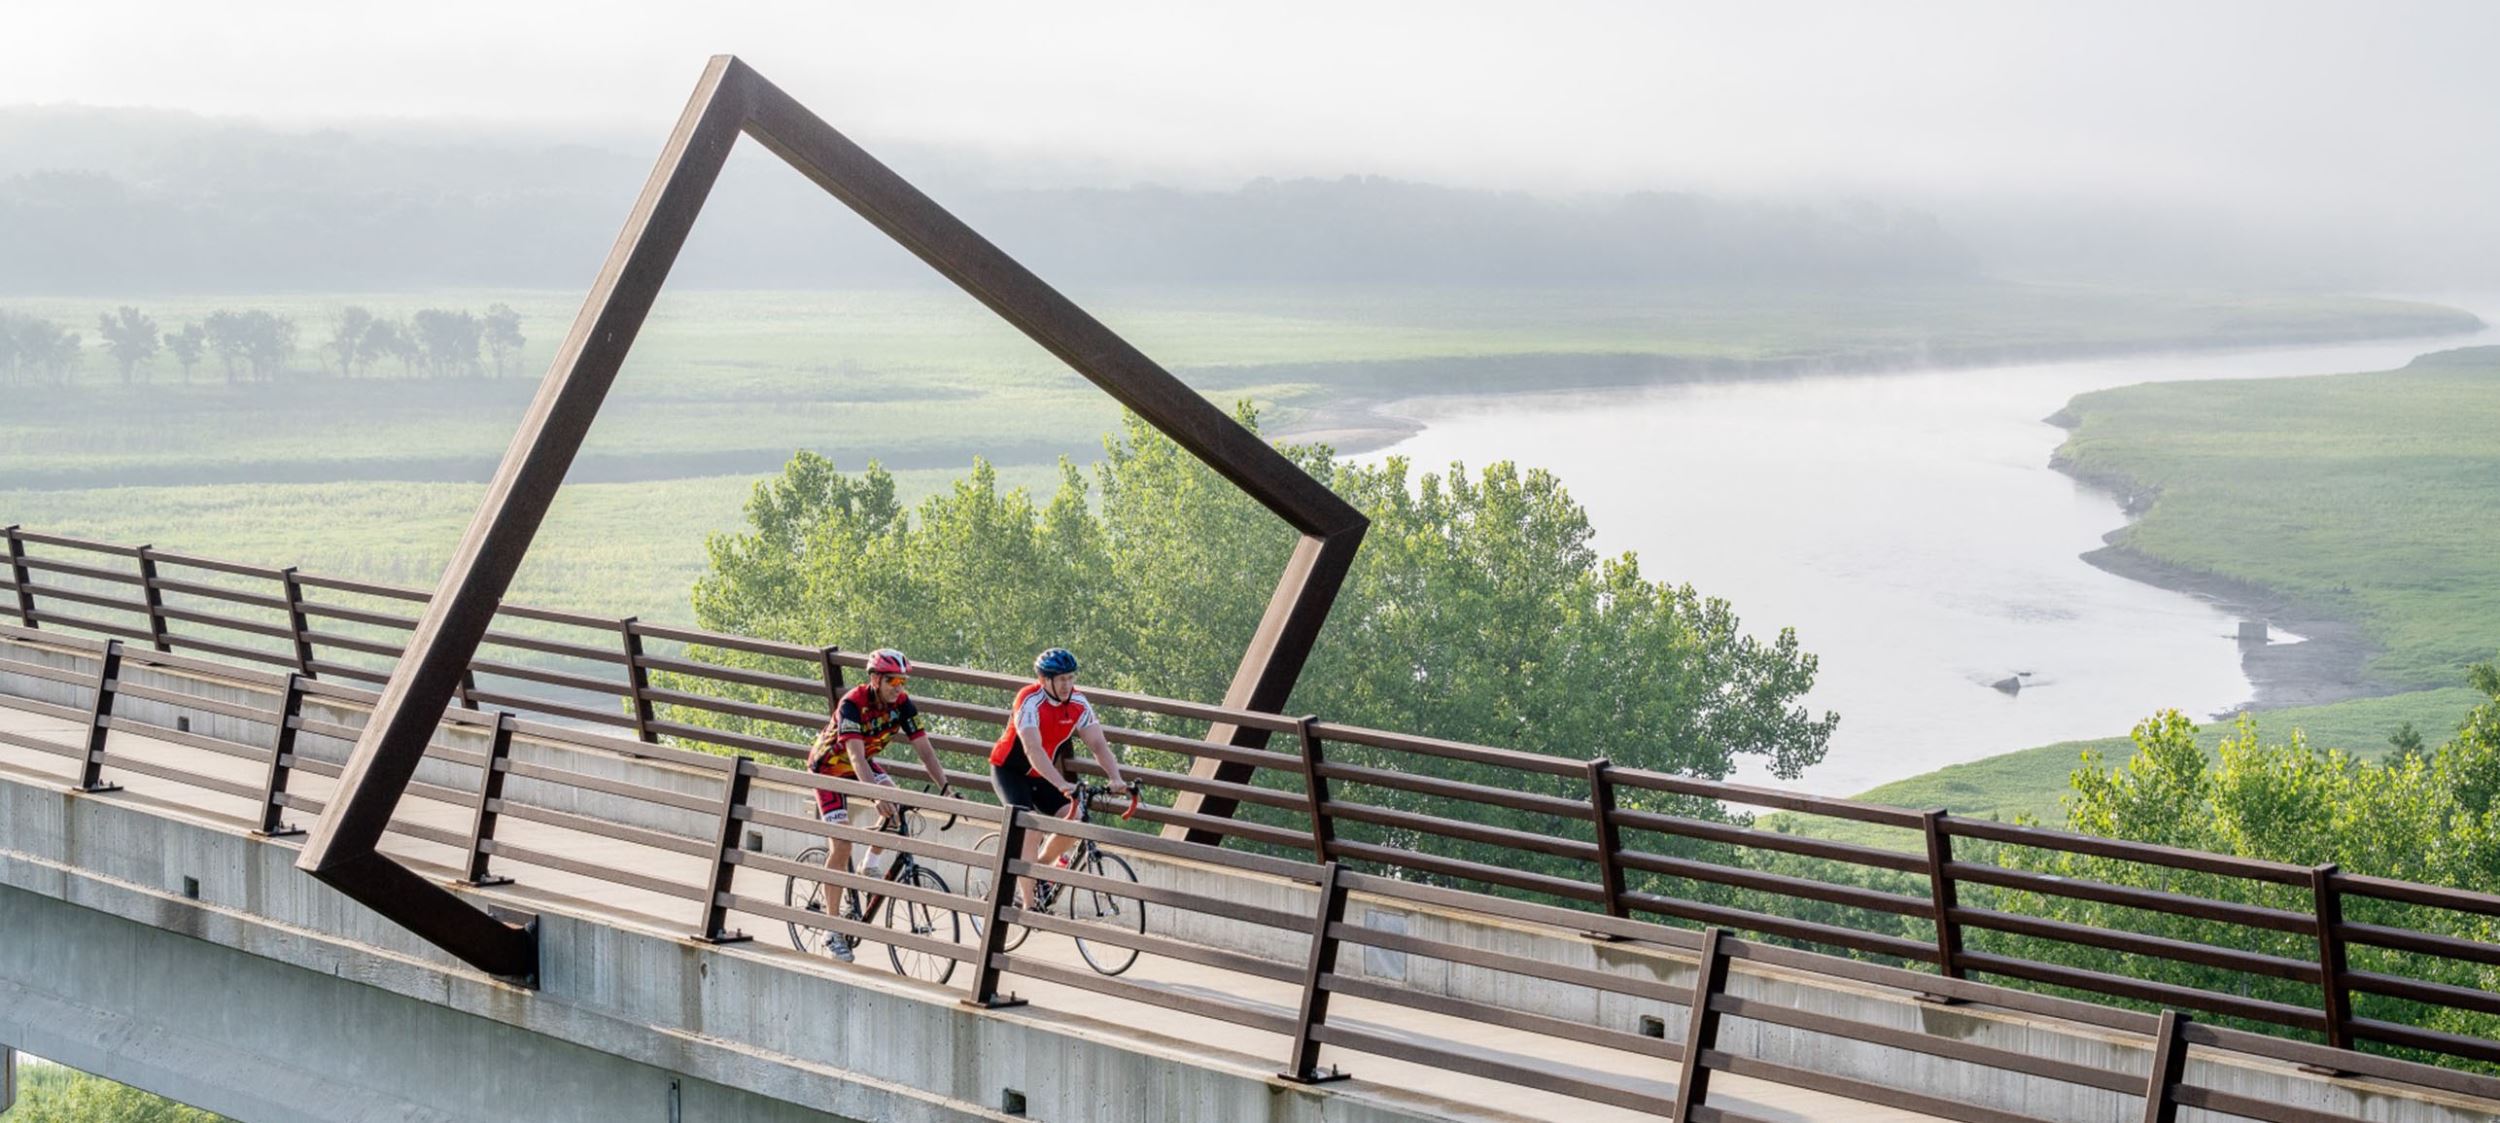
x: 1017, y: 788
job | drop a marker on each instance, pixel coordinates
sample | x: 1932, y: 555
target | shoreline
x: 1364, y: 420
x: 2328, y: 665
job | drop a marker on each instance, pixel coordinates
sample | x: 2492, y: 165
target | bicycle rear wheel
x: 1106, y: 909
x: 977, y: 887
x: 801, y: 893
x: 924, y: 920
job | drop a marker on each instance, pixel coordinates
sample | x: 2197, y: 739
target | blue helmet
x: 1056, y: 661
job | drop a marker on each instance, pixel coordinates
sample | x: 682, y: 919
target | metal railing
x: 1967, y: 897
x: 1655, y: 1074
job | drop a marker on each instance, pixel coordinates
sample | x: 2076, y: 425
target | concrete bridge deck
x: 1399, y: 1088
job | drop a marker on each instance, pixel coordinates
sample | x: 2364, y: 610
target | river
x: 1907, y: 525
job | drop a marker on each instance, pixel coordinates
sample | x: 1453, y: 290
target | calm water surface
x: 1909, y: 528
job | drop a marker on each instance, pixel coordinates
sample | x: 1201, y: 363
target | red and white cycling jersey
x: 1057, y: 722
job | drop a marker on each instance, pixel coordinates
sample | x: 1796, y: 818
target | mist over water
x: 1909, y: 527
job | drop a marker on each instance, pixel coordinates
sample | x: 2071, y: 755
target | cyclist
x: 1048, y: 716
x: 867, y: 717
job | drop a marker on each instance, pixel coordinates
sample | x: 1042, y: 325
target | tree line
x: 261, y: 346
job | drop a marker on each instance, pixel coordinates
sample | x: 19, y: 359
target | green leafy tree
x: 228, y: 335
x: 503, y: 335
x: 1477, y: 611
x: 348, y: 329
x: 448, y: 340
x: 187, y: 347
x: 130, y: 336
x: 388, y: 339
x: 52, y: 1094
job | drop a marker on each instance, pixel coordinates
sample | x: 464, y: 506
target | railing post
x: 1302, y: 1062
x: 489, y: 798
x: 1609, y: 839
x: 1315, y: 792
x: 468, y: 689
x: 833, y: 678
x: 637, y: 680
x: 155, y: 600
x: 2335, y: 999
x: 725, y: 855
x: 107, y: 681
x: 1002, y: 890
x: 17, y: 574
x: 296, y: 623
x: 281, y: 761
x: 1942, y: 897
x: 2169, y: 1067
x: 1701, y: 1029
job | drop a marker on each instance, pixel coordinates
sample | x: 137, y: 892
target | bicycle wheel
x: 977, y: 887
x: 801, y: 893
x: 1108, y: 909
x: 921, y: 919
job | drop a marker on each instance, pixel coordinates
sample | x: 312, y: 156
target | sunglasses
x: 898, y: 680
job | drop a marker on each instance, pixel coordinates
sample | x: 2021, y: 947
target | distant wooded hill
x: 105, y: 201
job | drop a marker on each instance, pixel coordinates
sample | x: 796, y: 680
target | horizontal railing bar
x: 2195, y: 861
x: 583, y: 683
x: 266, y: 658
x: 130, y: 605
x: 1157, y: 895
x: 237, y: 710
x: 74, y: 569
x: 2438, y: 994
x: 87, y: 544
x: 1863, y: 1091
x: 1544, y: 1076
x: 1147, y: 943
x: 239, y: 569
x: 548, y: 706
x: 225, y: 673
x: 1204, y: 1006
x: 215, y: 620
x: 1850, y: 896
x: 1473, y: 871
x: 1334, y: 733
x: 1457, y: 790
x: 2250, y: 1107
x: 1630, y: 985
x: 358, y: 615
x: 2420, y: 1037
x: 2353, y: 1061
x: 363, y: 588
x: 2167, y: 994
x: 619, y: 832
x: 188, y: 739
x: 908, y: 941
x: 2429, y: 943
x: 219, y: 592
x: 1462, y: 831
x: 122, y: 763
x: 38, y: 744
x: 724, y: 737
x: 921, y: 848
x: 2436, y: 896
x: 530, y: 857
x: 1915, y: 1041
x: 36, y: 637
x: 764, y: 680
x: 843, y: 879
x: 2149, y: 900
x: 1921, y: 982
x: 524, y: 770
x: 1749, y: 796
x: 1812, y: 931
x: 1393, y: 889
x: 1507, y: 1017
x: 565, y: 648
x: 1148, y: 843
x: 2137, y: 943
x: 1758, y: 839
x: 48, y: 673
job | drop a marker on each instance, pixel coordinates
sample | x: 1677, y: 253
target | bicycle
x: 1084, y: 905
x: 918, y: 918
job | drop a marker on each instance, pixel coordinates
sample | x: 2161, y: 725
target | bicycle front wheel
x: 926, y: 921
x: 977, y: 887
x: 1125, y: 915
x: 808, y: 895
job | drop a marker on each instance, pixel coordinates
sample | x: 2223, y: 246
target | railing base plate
x: 1331, y: 1076
x: 1000, y: 1003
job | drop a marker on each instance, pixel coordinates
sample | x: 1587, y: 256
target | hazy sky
x: 2296, y: 106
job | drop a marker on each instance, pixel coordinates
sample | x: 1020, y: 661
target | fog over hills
x: 105, y: 200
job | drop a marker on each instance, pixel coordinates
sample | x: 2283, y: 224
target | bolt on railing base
x: 1329, y: 1075
x: 285, y: 830
x: 733, y: 936
x: 996, y: 1002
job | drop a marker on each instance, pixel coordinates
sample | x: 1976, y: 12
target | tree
x: 53, y: 1094
x: 186, y: 346
x: 44, y: 349
x: 448, y: 340
x: 12, y: 356
x: 130, y: 336
x: 388, y: 339
x: 1477, y: 611
x: 503, y: 334
x: 348, y: 331
x: 269, y: 342
x: 228, y: 335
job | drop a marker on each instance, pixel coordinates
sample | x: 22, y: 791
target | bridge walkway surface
x: 1433, y: 1090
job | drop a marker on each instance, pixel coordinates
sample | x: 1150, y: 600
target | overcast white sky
x: 2297, y: 105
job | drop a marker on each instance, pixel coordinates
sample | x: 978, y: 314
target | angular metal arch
x: 732, y: 98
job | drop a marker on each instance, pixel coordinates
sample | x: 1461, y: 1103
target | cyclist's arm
x: 929, y: 759
x: 1102, y: 754
x: 863, y: 771
x: 1039, y: 754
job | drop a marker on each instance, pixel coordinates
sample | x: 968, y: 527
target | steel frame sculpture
x: 732, y: 99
